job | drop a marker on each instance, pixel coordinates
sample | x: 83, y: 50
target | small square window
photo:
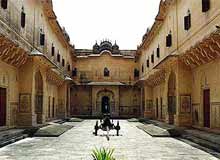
x: 4, y: 4
x: 23, y: 18
x: 69, y: 67
x: 148, y: 63
x: 58, y: 57
x: 63, y: 62
x: 169, y: 40
x: 42, y: 39
x: 74, y: 72
x: 205, y: 5
x: 152, y: 58
x: 158, y: 52
x: 52, y: 50
x: 106, y: 72
x: 187, y: 21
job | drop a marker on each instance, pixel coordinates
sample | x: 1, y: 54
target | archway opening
x: 39, y: 96
x: 172, y: 97
x: 105, y: 105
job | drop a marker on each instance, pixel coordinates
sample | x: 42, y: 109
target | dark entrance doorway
x: 157, y: 108
x: 39, y: 97
x: 206, y: 107
x: 2, y: 106
x: 172, y: 97
x: 105, y: 105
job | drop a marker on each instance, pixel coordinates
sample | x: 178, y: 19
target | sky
x: 123, y: 21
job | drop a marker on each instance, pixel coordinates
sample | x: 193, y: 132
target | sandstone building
x: 173, y: 75
x: 105, y: 82
x: 179, y: 63
x: 35, y: 64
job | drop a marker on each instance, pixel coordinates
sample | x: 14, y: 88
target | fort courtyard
x: 77, y: 144
x: 165, y: 93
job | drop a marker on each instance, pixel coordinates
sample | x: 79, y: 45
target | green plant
x: 103, y: 154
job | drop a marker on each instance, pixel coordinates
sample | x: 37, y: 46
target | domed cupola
x: 115, y: 48
x: 96, y: 48
x: 106, y: 45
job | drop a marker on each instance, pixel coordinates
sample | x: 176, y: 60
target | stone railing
x: 88, y: 76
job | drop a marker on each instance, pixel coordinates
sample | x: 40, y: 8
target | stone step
x: 12, y: 140
x: 211, y: 137
x: 202, y: 142
x: 10, y: 133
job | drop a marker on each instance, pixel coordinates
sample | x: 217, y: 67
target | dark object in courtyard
x: 107, y: 125
x: 31, y: 131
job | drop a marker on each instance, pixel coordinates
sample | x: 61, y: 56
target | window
x: 158, y: 51
x: 148, y: 63
x: 106, y: 72
x: 152, y: 58
x: 4, y: 4
x: 68, y: 67
x: 205, y: 5
x: 187, y: 21
x: 58, y: 57
x: 74, y: 72
x: 142, y: 68
x: 23, y: 16
x: 136, y: 73
x: 169, y: 40
x: 63, y: 62
x: 52, y: 50
x: 42, y: 38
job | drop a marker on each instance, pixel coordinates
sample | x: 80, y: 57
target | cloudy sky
x: 122, y: 20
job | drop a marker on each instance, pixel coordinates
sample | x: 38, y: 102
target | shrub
x: 103, y: 154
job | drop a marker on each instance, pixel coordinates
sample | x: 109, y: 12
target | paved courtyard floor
x: 77, y: 144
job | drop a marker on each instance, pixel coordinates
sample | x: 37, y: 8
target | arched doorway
x: 105, y: 105
x: 39, y: 97
x: 105, y: 102
x: 172, y: 97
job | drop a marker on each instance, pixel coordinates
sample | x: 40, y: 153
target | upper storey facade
x: 106, y: 63
x: 179, y: 25
x: 32, y: 24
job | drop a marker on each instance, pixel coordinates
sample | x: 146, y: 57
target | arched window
x: 106, y: 72
x: 68, y: 67
x: 58, y: 57
x: 23, y: 15
x: 42, y: 37
x: 136, y: 73
x: 158, y: 51
x: 169, y: 40
x: 187, y: 21
x: 74, y: 72
x: 4, y: 4
x: 52, y: 50
x: 63, y: 62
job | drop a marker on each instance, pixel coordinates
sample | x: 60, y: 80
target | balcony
x: 84, y: 77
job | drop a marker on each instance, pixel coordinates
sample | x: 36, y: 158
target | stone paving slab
x: 78, y: 142
x: 54, y: 130
x: 156, y: 131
